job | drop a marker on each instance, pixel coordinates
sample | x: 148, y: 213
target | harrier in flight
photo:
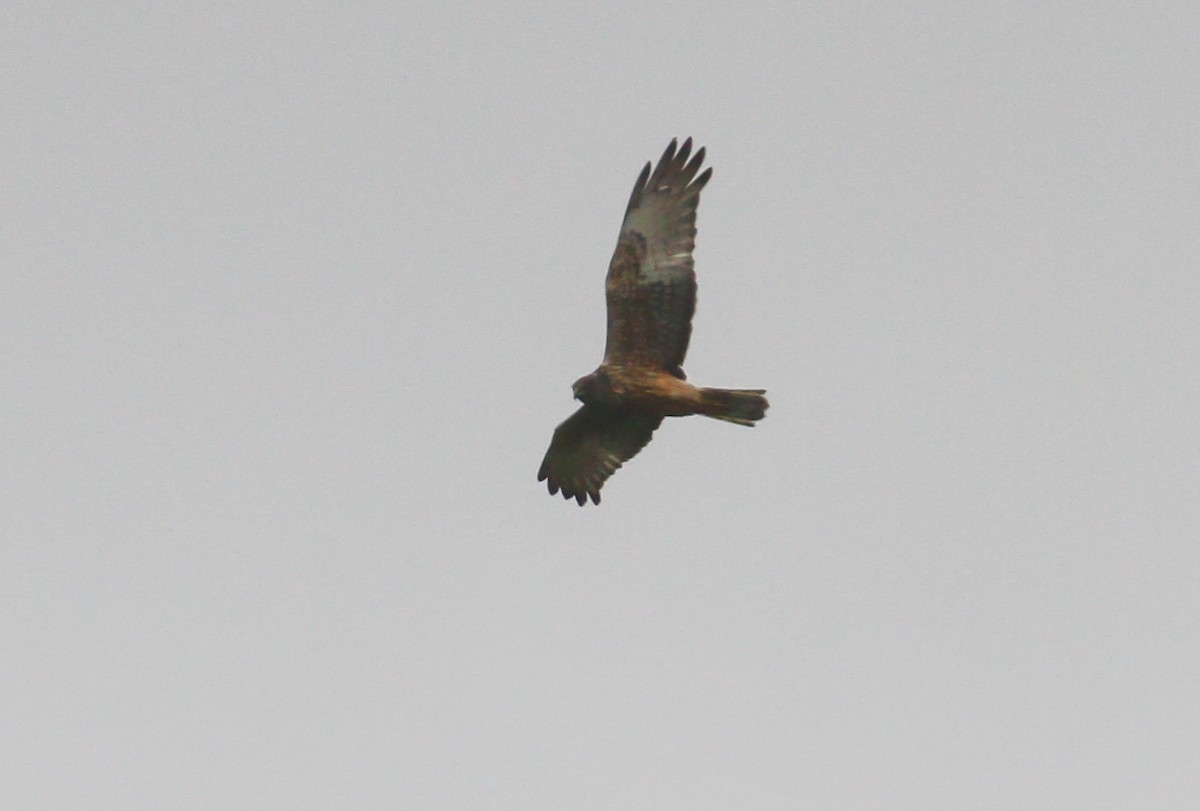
x: 651, y: 295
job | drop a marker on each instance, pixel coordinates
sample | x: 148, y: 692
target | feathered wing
x: 651, y: 285
x: 589, y: 446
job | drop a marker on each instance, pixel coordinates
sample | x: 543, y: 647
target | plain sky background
x: 291, y: 298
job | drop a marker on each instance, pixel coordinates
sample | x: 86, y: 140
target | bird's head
x: 590, y: 388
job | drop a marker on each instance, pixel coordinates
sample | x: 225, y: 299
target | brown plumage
x: 651, y: 296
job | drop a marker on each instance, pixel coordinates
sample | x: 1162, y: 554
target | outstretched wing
x: 651, y: 285
x: 589, y: 446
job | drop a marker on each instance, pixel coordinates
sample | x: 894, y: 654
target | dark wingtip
x: 669, y: 152
x: 581, y: 496
x: 682, y: 155
x: 640, y: 184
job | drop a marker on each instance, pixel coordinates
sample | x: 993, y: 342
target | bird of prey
x: 651, y: 295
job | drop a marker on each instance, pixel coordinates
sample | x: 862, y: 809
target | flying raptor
x: 651, y: 296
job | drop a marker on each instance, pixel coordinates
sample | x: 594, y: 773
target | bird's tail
x: 743, y: 406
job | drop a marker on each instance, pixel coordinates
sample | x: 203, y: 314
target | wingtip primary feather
x: 664, y: 164
x: 668, y: 153
x: 681, y: 156
x: 639, y: 186
x: 693, y: 167
x: 677, y: 162
x: 580, y: 494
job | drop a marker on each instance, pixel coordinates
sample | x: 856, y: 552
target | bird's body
x: 663, y: 395
x: 651, y: 296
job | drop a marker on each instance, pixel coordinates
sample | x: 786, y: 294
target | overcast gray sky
x: 291, y: 298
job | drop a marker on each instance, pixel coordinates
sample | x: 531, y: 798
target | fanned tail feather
x: 743, y: 406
